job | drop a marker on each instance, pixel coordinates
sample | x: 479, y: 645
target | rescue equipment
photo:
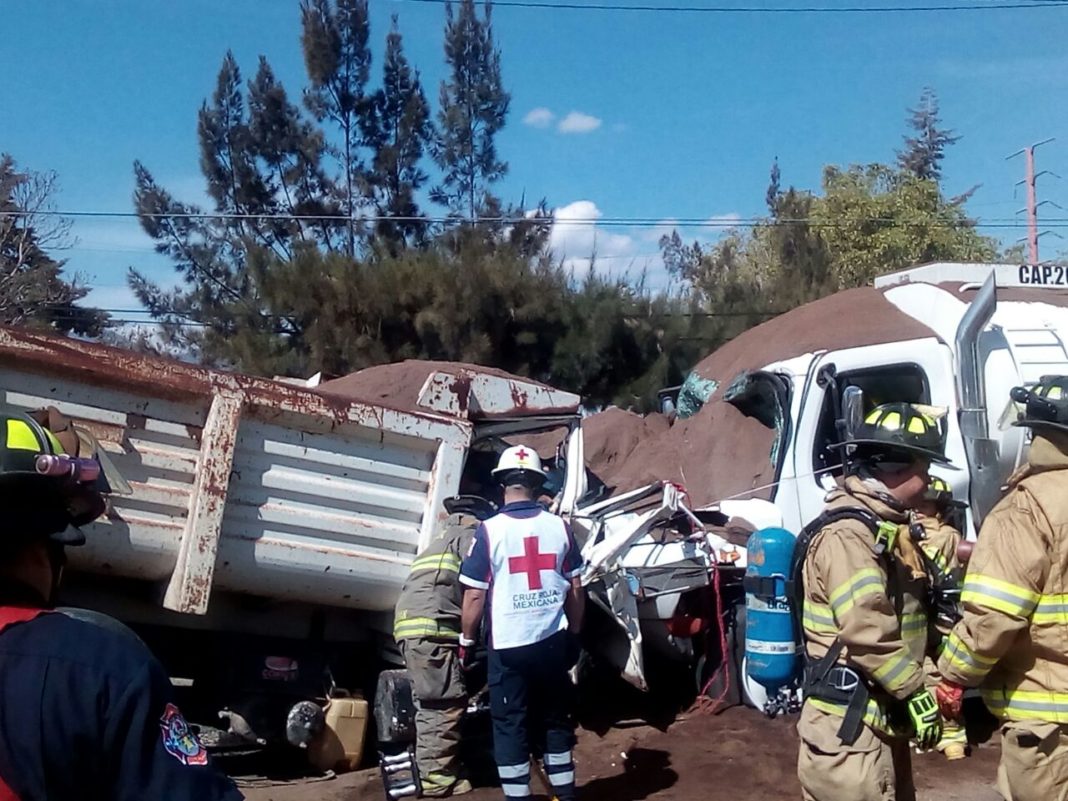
x: 772, y: 645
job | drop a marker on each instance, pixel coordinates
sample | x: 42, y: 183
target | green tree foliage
x: 925, y: 149
x: 869, y: 220
x: 875, y: 219
x: 337, y: 58
x: 33, y: 290
x: 473, y: 109
x: 401, y: 133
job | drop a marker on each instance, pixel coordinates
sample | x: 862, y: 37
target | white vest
x: 528, y: 585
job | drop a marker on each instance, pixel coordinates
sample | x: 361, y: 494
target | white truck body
x: 1022, y: 339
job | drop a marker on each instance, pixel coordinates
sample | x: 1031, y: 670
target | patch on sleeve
x: 179, y: 740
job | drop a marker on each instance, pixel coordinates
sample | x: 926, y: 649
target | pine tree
x: 402, y: 132
x: 338, y: 61
x: 924, y: 152
x: 33, y: 290
x: 474, y: 107
x: 771, y: 198
x: 292, y: 150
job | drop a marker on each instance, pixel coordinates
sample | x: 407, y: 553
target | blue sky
x: 635, y: 115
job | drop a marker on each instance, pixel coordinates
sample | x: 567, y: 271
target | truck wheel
x: 394, y: 710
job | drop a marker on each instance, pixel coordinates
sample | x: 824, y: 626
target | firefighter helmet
x: 46, y: 491
x: 522, y: 460
x: 939, y: 491
x: 899, y: 429
x: 1045, y: 405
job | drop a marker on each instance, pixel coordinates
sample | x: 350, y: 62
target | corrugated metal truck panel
x: 243, y: 484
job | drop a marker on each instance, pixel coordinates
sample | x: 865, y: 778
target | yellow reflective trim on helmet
x: 57, y: 447
x: 938, y: 485
x: 892, y: 420
x: 917, y: 425
x: 1054, y: 393
x: 21, y: 437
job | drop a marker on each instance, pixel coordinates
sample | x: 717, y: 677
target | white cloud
x: 579, y: 123
x: 575, y: 238
x: 539, y: 117
x: 728, y: 220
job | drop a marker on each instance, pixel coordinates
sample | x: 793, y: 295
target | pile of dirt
x: 739, y: 754
x: 850, y: 319
x: 720, y: 452
x: 717, y: 453
x: 397, y: 386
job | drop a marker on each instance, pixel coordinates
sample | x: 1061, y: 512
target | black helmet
x: 45, y: 491
x: 898, y: 429
x: 1045, y: 404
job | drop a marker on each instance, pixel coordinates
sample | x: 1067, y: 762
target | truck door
x: 917, y: 371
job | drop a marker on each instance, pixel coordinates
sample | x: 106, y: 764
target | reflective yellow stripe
x: 20, y: 437
x: 964, y: 659
x: 1027, y: 705
x: 445, y: 561
x: 422, y: 627
x: 952, y: 732
x: 874, y: 715
x: 1051, y: 609
x: 936, y: 556
x: 993, y: 593
x: 913, y: 626
x: 863, y: 582
x: 896, y: 671
x: 818, y: 618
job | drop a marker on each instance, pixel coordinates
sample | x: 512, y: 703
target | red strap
x: 9, y: 616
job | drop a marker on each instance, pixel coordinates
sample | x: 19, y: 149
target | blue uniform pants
x: 530, y: 701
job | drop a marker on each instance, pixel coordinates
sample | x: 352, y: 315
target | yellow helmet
x: 45, y: 490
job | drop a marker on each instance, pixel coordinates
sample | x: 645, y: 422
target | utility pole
x: 1032, y: 197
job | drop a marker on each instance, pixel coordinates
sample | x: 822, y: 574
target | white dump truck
x: 952, y: 335
x: 266, y: 529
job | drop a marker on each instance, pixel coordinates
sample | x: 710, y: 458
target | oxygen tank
x: 772, y: 656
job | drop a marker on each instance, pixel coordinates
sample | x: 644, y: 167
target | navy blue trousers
x: 531, y: 701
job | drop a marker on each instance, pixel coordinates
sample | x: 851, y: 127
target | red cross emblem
x: 532, y: 563
x: 521, y: 455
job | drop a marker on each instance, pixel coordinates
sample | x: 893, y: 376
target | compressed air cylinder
x: 771, y: 651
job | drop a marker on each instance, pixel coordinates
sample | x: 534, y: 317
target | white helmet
x: 518, y: 457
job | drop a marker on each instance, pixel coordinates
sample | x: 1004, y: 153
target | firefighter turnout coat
x: 1013, y: 638
x: 869, y: 601
x: 431, y: 598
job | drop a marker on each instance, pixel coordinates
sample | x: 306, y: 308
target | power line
x: 607, y: 222
x: 707, y: 9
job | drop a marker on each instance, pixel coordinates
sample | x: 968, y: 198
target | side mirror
x: 852, y: 410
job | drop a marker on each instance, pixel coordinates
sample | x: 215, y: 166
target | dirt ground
x: 738, y: 754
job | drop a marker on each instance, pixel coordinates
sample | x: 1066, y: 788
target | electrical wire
x: 607, y: 222
x: 752, y: 9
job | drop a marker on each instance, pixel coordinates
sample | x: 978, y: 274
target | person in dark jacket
x: 86, y: 712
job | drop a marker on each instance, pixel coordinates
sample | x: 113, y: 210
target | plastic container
x: 340, y: 746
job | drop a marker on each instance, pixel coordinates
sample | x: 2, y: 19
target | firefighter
x: 85, y: 710
x: 863, y: 618
x: 937, y: 515
x: 1011, y: 640
x: 427, y: 630
x: 527, y: 562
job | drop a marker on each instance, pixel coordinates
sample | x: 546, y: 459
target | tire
x: 394, y: 709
